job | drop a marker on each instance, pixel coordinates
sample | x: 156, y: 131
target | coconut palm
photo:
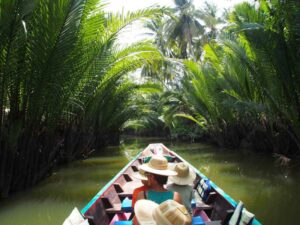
x: 182, y: 28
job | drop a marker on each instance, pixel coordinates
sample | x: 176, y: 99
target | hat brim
x: 139, y: 176
x: 143, y: 210
x: 183, y: 180
x: 167, y: 172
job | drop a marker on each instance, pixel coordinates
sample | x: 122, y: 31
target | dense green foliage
x: 247, y: 86
x: 243, y: 87
x: 63, y: 89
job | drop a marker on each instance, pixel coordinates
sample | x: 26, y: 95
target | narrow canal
x: 270, y: 192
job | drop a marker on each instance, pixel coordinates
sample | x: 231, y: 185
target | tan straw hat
x: 158, y: 165
x: 140, y: 175
x: 185, y: 175
x: 167, y: 213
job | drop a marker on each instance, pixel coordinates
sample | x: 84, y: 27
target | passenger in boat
x: 182, y: 183
x: 168, y: 212
x: 157, y: 172
x: 141, y: 176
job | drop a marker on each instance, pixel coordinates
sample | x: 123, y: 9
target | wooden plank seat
x: 201, y: 205
x: 117, y: 208
x: 130, y: 186
x: 111, y: 207
x: 125, y: 195
x: 125, y: 206
x: 127, y: 189
x: 208, y: 205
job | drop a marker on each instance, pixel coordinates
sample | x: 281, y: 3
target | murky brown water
x: 267, y: 190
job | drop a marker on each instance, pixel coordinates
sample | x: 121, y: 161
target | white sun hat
x: 140, y: 175
x: 158, y: 165
x: 185, y: 175
x: 169, y: 212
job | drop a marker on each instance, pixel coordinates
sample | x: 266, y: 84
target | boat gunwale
x: 102, y: 190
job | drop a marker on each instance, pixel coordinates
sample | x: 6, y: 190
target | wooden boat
x: 108, y: 207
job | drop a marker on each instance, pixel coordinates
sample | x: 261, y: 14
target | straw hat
x: 167, y: 213
x: 158, y: 165
x: 140, y: 175
x: 185, y: 175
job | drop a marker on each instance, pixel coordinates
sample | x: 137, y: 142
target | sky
x: 132, y: 5
x: 136, y: 32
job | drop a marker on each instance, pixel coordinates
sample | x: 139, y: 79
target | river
x: 267, y: 190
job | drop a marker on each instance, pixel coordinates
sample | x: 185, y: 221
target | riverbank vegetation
x: 236, y: 77
x: 65, y: 90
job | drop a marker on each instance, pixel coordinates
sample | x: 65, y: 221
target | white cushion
x: 246, y: 217
x: 75, y: 218
x: 234, y: 218
x: 85, y: 222
x: 202, y: 182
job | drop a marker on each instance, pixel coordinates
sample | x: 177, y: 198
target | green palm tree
x: 182, y: 28
x: 60, y: 66
x: 244, y: 78
x: 263, y: 29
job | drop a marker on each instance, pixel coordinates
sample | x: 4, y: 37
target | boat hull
x: 106, y: 206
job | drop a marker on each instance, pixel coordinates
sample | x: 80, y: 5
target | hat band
x: 158, y: 166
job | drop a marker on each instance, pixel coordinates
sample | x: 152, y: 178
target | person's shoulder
x: 189, y: 187
x: 142, y: 188
x: 170, y: 187
x: 183, y: 188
